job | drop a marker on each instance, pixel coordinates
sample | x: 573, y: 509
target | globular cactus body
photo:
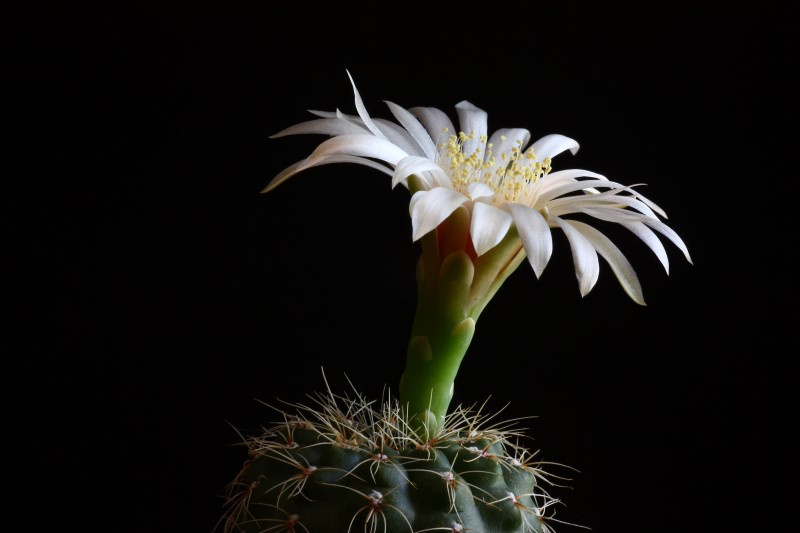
x: 345, y: 467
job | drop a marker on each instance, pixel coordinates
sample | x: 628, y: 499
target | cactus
x: 480, y: 206
x: 343, y: 465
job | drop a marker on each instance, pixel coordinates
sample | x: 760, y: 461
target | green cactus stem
x: 454, y: 286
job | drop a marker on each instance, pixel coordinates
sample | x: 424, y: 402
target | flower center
x: 510, y: 174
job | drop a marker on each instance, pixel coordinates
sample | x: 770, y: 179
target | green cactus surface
x: 341, y: 465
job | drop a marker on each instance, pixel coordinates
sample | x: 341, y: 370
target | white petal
x: 415, y: 128
x: 610, y: 212
x: 338, y: 114
x: 322, y: 126
x: 568, y: 175
x: 652, y: 205
x: 472, y: 120
x: 535, y: 234
x: 504, y: 139
x: 436, y: 122
x: 552, y: 145
x: 360, y: 145
x: 324, y: 160
x: 584, y: 256
x: 488, y: 226
x: 362, y: 111
x: 670, y: 234
x: 419, y: 165
x: 398, y: 135
x: 637, y: 223
x: 388, y: 130
x: 572, y: 186
x: 651, y: 240
x: 637, y: 200
x: 501, y: 144
x: 479, y: 191
x: 429, y: 209
x: 284, y: 175
x: 344, y: 117
x: 611, y: 199
x: 619, y: 263
x: 614, y: 198
x: 558, y: 178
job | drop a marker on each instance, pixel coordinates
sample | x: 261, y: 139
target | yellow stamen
x: 511, y: 179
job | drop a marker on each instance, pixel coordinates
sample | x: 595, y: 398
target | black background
x: 170, y: 296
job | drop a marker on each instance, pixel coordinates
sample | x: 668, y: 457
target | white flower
x: 501, y: 179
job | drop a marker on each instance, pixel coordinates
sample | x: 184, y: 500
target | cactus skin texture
x: 344, y: 467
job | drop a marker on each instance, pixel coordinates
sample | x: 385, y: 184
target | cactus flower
x: 481, y: 203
